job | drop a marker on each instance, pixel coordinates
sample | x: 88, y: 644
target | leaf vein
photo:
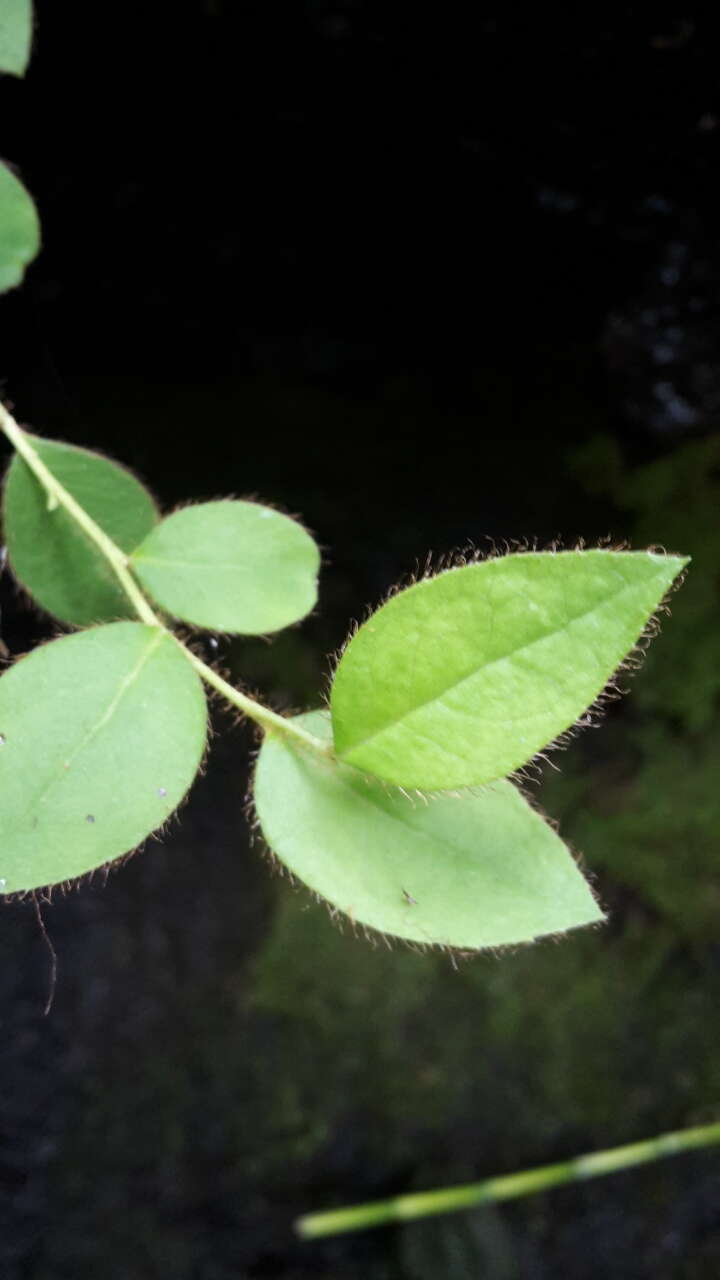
x: 391, y: 724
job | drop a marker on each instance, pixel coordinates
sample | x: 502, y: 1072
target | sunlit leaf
x: 230, y: 566
x: 475, y: 870
x: 50, y: 554
x: 15, y: 35
x: 101, y: 734
x: 19, y: 229
x: 464, y: 677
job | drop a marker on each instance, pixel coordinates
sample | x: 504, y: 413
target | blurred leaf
x: 469, y: 871
x: 50, y: 555
x: 19, y: 229
x: 230, y: 566
x: 464, y: 677
x: 15, y: 35
x: 101, y: 735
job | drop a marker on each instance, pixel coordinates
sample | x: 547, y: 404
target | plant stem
x: 266, y: 718
x: 58, y: 496
x: 422, y: 1204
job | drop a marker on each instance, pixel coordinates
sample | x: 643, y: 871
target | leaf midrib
x: 105, y: 718
x: 461, y: 854
x: 455, y: 684
x: 458, y: 851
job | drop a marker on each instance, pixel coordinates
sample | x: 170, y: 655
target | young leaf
x: 49, y: 553
x: 466, y: 676
x: 19, y: 229
x: 101, y: 734
x: 15, y: 36
x: 469, y: 871
x: 230, y: 566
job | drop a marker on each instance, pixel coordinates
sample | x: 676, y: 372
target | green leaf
x: 101, y: 734
x: 15, y: 36
x: 230, y: 566
x: 464, y: 677
x: 19, y: 229
x: 50, y: 555
x: 470, y: 871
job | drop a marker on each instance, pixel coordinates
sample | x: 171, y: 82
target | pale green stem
x: 422, y: 1204
x: 263, y: 715
x: 59, y: 496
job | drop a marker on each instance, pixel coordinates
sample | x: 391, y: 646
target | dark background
x: 425, y: 280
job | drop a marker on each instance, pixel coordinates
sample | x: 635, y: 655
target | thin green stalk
x: 262, y: 715
x: 58, y: 495
x: 422, y: 1204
